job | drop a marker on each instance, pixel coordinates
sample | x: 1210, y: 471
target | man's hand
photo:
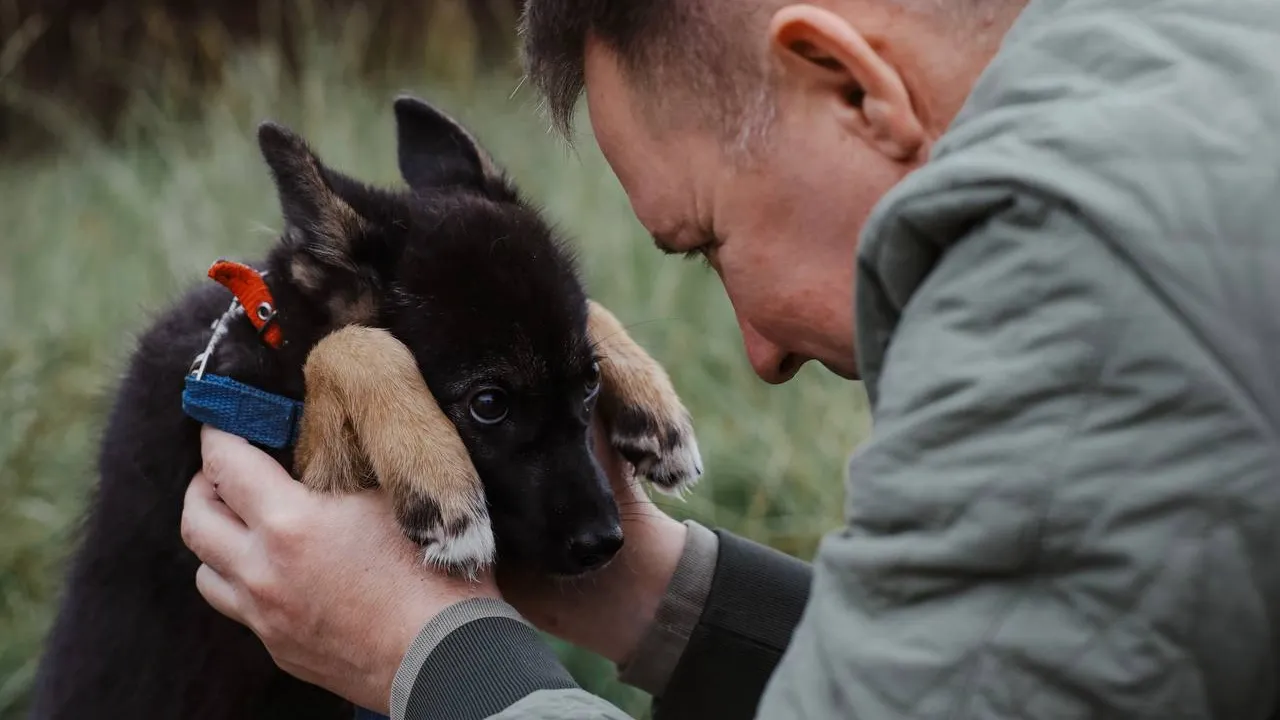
x: 337, y: 593
x: 329, y: 583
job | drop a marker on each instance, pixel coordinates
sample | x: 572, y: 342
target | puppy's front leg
x: 648, y: 424
x: 368, y: 419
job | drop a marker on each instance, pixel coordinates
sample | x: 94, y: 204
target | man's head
x: 758, y: 134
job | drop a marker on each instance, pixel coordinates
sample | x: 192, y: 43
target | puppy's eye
x: 489, y: 406
x: 593, y: 381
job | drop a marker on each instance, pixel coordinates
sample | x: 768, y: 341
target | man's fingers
x: 209, y: 529
x: 219, y: 593
x: 248, y: 480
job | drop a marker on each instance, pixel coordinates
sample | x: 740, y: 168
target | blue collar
x: 231, y: 406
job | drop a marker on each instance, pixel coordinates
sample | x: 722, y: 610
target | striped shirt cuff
x: 430, y: 636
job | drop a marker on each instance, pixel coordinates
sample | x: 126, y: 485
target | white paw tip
x: 473, y: 549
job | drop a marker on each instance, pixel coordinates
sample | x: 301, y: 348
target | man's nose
x: 773, y: 364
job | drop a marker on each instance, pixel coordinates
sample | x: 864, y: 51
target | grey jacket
x: 1069, y: 506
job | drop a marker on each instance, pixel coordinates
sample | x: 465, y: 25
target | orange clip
x: 251, y: 290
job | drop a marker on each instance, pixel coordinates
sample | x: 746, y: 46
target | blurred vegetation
x: 123, y: 206
x: 94, y: 57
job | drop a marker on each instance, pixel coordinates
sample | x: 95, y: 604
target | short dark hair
x: 696, y: 51
x: 690, y: 42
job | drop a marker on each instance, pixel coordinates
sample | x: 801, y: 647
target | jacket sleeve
x: 1049, y: 519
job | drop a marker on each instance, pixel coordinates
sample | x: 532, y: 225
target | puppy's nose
x: 593, y: 548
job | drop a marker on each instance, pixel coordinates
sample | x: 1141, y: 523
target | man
x: 1066, y: 320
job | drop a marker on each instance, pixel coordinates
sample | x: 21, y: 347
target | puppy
x: 446, y: 350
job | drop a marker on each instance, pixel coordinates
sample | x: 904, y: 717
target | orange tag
x: 252, y: 292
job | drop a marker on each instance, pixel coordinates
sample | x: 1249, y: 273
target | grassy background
x: 102, y: 232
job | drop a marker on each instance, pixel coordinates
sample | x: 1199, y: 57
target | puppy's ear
x: 316, y: 217
x: 437, y: 151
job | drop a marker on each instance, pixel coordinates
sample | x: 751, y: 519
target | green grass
x: 100, y: 236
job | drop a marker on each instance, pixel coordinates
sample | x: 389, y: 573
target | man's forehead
x: 604, y: 80
x: 657, y: 174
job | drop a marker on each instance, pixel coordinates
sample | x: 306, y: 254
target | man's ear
x: 833, y: 58
x: 315, y: 216
x: 437, y: 151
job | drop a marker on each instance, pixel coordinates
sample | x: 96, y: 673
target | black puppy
x: 473, y: 284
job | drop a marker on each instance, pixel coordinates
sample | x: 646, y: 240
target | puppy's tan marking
x: 305, y: 273
x: 649, y: 425
x: 369, y: 414
x: 346, y: 311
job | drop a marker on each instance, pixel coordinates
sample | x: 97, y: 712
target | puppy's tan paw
x: 459, y: 542
x: 371, y: 416
x: 648, y: 425
x: 659, y: 442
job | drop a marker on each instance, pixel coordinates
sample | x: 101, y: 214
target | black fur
x: 458, y: 268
